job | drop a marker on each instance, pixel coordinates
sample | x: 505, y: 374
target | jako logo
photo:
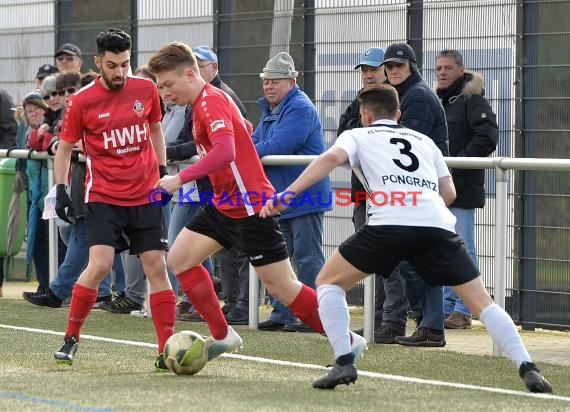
x: 102, y: 115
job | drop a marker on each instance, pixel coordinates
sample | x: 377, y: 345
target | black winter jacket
x: 473, y: 132
x: 350, y: 119
x: 8, y: 126
x: 422, y: 111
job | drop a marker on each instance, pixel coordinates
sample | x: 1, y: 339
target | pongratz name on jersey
x: 410, y: 180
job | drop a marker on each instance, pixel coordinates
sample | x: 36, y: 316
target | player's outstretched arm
x: 317, y: 170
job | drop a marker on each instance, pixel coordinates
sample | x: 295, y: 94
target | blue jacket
x: 422, y: 111
x: 293, y: 128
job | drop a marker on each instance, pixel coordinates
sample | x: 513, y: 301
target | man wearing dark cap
x: 69, y: 58
x: 44, y: 71
x: 421, y: 111
x: 390, y: 303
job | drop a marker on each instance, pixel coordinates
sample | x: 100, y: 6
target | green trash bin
x: 12, y: 207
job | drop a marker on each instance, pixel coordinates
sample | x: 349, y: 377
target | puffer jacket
x: 473, y: 132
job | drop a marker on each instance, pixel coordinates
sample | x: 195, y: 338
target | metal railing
x: 501, y: 166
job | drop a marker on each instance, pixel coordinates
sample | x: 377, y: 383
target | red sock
x: 197, y: 285
x: 306, y: 308
x: 82, y: 300
x: 163, y: 309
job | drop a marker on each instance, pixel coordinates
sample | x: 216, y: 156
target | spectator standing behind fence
x: 37, y: 246
x: 55, y: 100
x: 390, y: 302
x: 8, y: 125
x: 473, y: 132
x: 290, y: 125
x: 44, y: 71
x: 48, y: 90
x: 69, y: 58
x: 422, y: 112
x: 8, y: 130
x: 119, y: 179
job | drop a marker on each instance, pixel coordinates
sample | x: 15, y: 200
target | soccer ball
x: 186, y: 352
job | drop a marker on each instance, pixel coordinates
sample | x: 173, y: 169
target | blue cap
x: 205, y: 53
x: 373, y: 57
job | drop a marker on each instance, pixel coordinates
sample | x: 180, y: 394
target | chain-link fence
x: 518, y: 46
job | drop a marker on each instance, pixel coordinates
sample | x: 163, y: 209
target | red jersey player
x: 117, y: 118
x: 228, y: 157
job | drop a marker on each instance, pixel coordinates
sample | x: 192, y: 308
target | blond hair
x: 173, y: 56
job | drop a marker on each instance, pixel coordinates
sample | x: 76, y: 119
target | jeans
x: 465, y: 227
x: 179, y: 216
x: 233, y: 270
x: 119, y: 270
x: 135, y: 279
x: 390, y: 301
x: 75, y: 261
x: 425, y: 299
x: 304, y: 238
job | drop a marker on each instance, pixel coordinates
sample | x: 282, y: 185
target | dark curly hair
x: 114, y: 41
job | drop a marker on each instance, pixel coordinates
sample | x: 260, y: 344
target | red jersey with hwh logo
x: 214, y: 113
x: 114, y: 126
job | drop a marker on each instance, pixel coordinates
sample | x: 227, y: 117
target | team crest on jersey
x: 217, y: 124
x: 138, y: 108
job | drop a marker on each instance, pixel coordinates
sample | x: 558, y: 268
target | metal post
x: 369, y: 309
x: 369, y: 299
x: 148, y: 310
x: 501, y: 181
x: 53, y: 263
x: 253, y: 299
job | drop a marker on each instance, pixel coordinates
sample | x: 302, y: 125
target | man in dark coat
x: 421, y: 111
x: 473, y: 132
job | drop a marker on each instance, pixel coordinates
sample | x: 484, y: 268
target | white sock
x: 333, y: 311
x: 504, y: 333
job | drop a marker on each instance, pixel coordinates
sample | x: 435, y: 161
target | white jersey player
x: 409, y: 186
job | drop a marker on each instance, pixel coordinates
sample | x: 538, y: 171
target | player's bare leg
x: 503, y: 331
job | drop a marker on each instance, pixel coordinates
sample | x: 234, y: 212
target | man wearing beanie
x: 290, y: 125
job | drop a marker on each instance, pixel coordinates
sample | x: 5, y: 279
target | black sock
x: 345, y: 359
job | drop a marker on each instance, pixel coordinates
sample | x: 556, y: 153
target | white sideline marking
x: 376, y: 375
